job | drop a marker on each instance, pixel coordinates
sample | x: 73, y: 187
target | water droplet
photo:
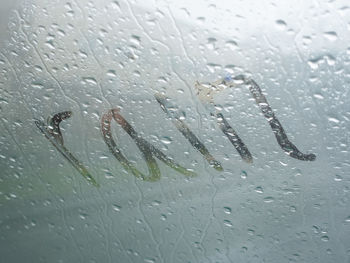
x: 259, y: 190
x: 331, y: 119
x: 137, y: 73
x: 244, y: 175
x: 90, y: 80
x: 68, y: 6
x: 61, y: 32
x: 331, y: 35
x: 307, y: 40
x: 117, y: 208
x: 135, y: 40
x: 211, y: 43
x: 228, y: 223
x: 330, y: 60
x: 12, y: 195
x: 37, y: 85
x: 251, y: 232
x: 227, y: 210
x: 83, y: 216
x: 50, y: 44
x: 347, y: 220
x: 281, y: 25
x: 156, y: 203
x: 338, y: 178
x: 201, y: 20
x: 269, y: 199
x: 38, y: 68
x: 166, y: 140
x: 218, y: 107
x: 314, y: 63
x: 231, y: 44
x: 325, y: 238
x: 318, y: 96
x: 181, y: 91
x: 111, y: 73
x: 83, y: 54
x: 115, y: 5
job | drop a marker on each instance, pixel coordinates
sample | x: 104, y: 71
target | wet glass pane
x: 174, y: 131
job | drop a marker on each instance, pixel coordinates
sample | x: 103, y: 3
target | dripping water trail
x: 276, y: 126
x: 233, y: 137
x: 186, y: 132
x: 53, y: 134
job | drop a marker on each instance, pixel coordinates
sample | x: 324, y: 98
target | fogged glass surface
x: 174, y: 131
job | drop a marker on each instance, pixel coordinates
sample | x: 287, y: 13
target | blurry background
x: 90, y: 56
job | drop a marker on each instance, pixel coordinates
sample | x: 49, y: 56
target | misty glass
x: 174, y: 131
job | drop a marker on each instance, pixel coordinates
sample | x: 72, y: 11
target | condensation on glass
x: 174, y: 131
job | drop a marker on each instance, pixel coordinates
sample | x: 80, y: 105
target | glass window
x: 174, y: 131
